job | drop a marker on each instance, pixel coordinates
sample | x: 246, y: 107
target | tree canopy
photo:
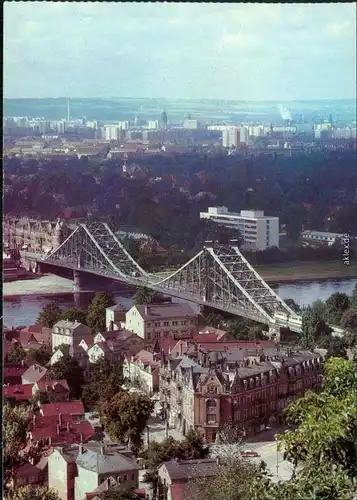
x: 336, y: 305
x: 68, y: 368
x: 104, y: 382
x: 125, y: 416
x: 119, y: 493
x: 50, y: 314
x: 96, y: 311
x: 33, y: 492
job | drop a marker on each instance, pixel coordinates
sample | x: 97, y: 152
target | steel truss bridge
x: 218, y: 276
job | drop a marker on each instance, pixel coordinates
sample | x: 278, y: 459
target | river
x: 24, y: 300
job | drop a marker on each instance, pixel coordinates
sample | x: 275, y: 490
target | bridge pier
x: 78, y: 281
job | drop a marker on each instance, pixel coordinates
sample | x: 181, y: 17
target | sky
x: 182, y: 51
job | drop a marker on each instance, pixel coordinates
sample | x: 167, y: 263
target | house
x: 34, y: 374
x: 13, y: 373
x: 51, y: 390
x: 176, y: 477
x: 65, y: 408
x: 59, y: 430
x: 114, y: 316
x: 78, y: 352
x: 76, y: 471
x: 21, y: 393
x: 68, y: 332
x: 37, y: 334
x: 143, y: 367
x: 29, y: 474
x: 159, y: 321
x: 204, y: 388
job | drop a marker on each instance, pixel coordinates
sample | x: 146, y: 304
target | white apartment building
x: 153, y: 124
x: 231, y: 137
x: 258, y: 231
x: 112, y: 132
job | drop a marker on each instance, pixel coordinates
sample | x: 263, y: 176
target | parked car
x: 250, y: 454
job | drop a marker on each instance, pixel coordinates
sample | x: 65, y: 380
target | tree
x: 144, y: 295
x: 104, y: 382
x: 16, y: 354
x: 156, y: 453
x: 73, y: 314
x: 293, y: 305
x: 125, y: 416
x: 215, y: 233
x: 325, y: 424
x: 353, y: 299
x: 33, y: 492
x: 335, y: 346
x: 349, y: 323
x: 67, y: 368
x: 15, y: 423
x: 314, y: 326
x: 41, y: 356
x: 50, y: 314
x: 119, y: 493
x: 336, y: 305
x: 96, y: 311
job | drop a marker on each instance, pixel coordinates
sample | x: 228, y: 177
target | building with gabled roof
x: 34, y: 374
x: 159, y: 321
x: 144, y: 369
x: 68, y: 332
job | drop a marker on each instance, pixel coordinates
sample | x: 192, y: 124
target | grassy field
x: 297, y: 271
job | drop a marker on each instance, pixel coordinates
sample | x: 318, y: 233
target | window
x: 174, y: 323
x: 132, y: 477
x: 183, y: 322
x: 125, y: 477
x: 157, y: 323
x: 166, y: 323
x: 148, y: 324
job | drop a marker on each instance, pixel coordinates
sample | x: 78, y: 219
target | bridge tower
x: 58, y: 234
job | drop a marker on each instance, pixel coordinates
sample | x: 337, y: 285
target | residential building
x: 204, y: 388
x: 110, y: 351
x: 114, y: 316
x: 68, y: 332
x: 176, y: 477
x: 35, y: 334
x: 258, y: 230
x: 231, y: 137
x: 159, y: 321
x: 190, y: 124
x: 75, y: 408
x: 144, y: 368
x: 51, y: 391
x: 322, y: 237
x: 29, y: 474
x: 13, y: 373
x: 21, y: 393
x: 78, y: 352
x: 77, y: 471
x: 34, y: 374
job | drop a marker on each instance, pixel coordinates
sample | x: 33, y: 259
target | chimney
x: 34, y: 418
x: 32, y: 461
x: 68, y: 426
x: 80, y: 449
x: 146, y: 309
x: 58, y: 428
x: 50, y: 441
x: 108, y: 483
x: 111, y: 326
x: 81, y: 437
x: 102, y: 450
x: 60, y: 419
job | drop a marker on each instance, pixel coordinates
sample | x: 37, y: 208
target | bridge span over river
x: 218, y: 276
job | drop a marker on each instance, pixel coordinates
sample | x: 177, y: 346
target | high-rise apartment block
x: 258, y: 231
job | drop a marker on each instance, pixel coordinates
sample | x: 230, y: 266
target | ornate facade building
x: 34, y: 235
x: 250, y: 387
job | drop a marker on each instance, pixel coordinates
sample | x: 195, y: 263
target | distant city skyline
x: 244, y: 52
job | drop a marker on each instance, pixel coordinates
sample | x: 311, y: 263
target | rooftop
x: 188, y: 469
x: 106, y: 461
x: 34, y: 373
x: 66, y: 408
x: 20, y: 392
x: 165, y: 311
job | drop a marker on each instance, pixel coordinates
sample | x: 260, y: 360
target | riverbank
x: 45, y: 285
x: 293, y: 272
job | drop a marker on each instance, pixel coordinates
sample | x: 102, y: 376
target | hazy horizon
x: 228, y: 52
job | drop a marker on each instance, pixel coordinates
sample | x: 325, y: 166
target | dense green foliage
x: 50, y: 315
x: 96, y: 311
x: 104, y: 382
x: 119, y: 493
x: 125, y: 416
x: 67, y: 368
x: 33, y: 492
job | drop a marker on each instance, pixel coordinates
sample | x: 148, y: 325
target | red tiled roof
x: 205, y: 337
x: 20, y: 392
x: 104, y: 346
x: 36, y: 333
x: 68, y: 432
x: 178, y: 491
x: 44, y: 385
x: 238, y: 344
x: 65, y: 408
x: 11, y: 371
x: 28, y: 470
x: 167, y: 345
